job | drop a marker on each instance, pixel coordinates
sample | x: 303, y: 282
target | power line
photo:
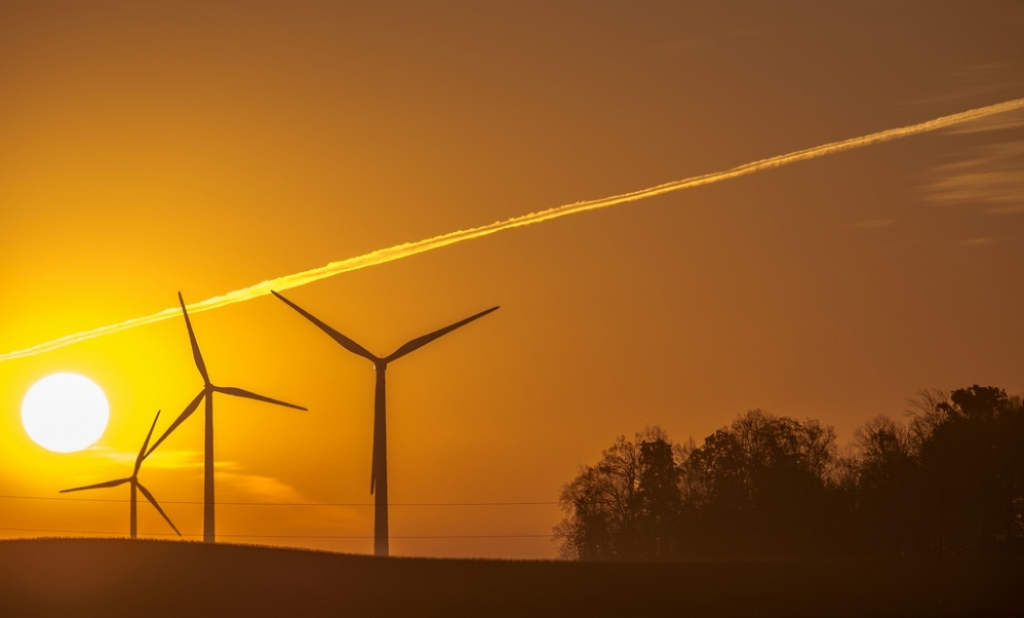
x: 298, y: 536
x: 352, y: 504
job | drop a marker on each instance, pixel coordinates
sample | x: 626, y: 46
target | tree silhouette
x: 887, y: 506
x: 973, y: 473
x: 760, y: 486
x: 659, y: 496
x: 625, y: 507
x: 949, y: 481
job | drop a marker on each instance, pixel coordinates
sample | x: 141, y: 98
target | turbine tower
x: 209, y: 529
x: 379, y: 468
x: 136, y: 485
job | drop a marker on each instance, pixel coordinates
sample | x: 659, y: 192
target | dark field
x: 93, y: 577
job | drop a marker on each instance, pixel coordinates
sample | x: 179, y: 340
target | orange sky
x: 204, y: 148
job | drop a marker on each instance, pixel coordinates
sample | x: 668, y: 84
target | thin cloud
x: 175, y: 460
x: 992, y: 177
x: 261, y: 488
x: 979, y: 242
x: 114, y: 455
x: 165, y: 460
x: 183, y: 460
x: 992, y: 123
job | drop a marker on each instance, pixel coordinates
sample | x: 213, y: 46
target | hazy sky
x: 207, y: 146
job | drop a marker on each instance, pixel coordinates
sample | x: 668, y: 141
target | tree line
x: 947, y: 480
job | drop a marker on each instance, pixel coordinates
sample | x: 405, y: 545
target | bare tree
x: 625, y: 506
x: 927, y: 411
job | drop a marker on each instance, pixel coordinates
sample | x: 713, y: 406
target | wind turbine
x: 209, y: 534
x: 379, y: 469
x: 136, y: 485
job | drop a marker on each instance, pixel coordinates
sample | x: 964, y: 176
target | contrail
x: 382, y: 256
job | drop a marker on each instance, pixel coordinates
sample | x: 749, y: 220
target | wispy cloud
x: 112, y: 454
x: 165, y: 460
x: 175, y: 460
x: 254, y: 487
x: 229, y: 473
x: 261, y: 488
x: 992, y: 177
x: 979, y: 242
x: 991, y: 123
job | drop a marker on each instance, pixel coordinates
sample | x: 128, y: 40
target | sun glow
x: 65, y: 412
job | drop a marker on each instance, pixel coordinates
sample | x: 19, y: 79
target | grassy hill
x: 116, y: 577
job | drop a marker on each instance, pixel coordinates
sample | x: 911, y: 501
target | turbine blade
x: 241, y: 392
x: 98, y: 485
x: 419, y: 342
x: 196, y: 354
x: 142, y: 451
x: 181, y: 419
x: 345, y: 342
x: 152, y: 500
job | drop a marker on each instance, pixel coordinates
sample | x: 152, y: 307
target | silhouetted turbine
x: 379, y: 468
x: 209, y: 535
x: 134, y: 480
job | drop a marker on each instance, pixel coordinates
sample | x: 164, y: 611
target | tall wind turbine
x: 136, y: 485
x: 379, y: 469
x: 209, y: 534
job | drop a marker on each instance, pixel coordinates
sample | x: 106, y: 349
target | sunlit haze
x: 152, y: 148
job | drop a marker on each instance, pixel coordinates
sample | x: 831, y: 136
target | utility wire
x: 362, y: 504
x: 296, y: 536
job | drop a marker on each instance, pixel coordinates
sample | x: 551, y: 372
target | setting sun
x: 65, y: 412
